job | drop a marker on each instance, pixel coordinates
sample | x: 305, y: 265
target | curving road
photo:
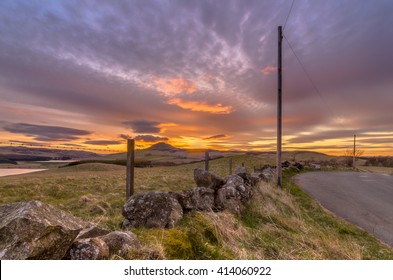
x: 364, y: 199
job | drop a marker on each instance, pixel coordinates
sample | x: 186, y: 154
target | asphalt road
x: 364, y: 199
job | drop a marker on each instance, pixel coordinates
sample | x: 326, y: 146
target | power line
x: 290, y: 10
x: 329, y: 109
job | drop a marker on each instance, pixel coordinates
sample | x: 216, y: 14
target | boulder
x: 255, y: 178
x: 88, y: 249
x: 234, y: 179
x: 121, y: 242
x: 298, y: 165
x: 92, y: 231
x: 152, y: 210
x: 315, y: 166
x: 201, y: 199
x: 205, y: 179
x: 268, y: 173
x: 241, y: 185
x: 241, y: 171
x: 102, y: 247
x: 228, y: 198
x: 245, y: 192
x: 35, y: 230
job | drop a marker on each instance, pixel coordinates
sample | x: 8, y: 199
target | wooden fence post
x: 130, y: 168
x: 207, y: 160
x: 230, y: 166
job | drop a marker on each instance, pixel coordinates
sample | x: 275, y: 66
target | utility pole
x: 130, y: 168
x: 279, y: 108
x: 354, y: 151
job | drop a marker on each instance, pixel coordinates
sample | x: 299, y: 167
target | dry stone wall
x: 212, y: 193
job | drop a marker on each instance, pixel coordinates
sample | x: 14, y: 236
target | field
x: 276, y: 224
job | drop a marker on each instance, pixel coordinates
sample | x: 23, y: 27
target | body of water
x: 17, y: 171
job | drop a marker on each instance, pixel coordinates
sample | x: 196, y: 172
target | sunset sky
x: 196, y: 74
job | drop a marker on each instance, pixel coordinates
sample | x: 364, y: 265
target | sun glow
x: 200, y: 106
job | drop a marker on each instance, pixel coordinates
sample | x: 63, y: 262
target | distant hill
x: 36, y: 154
x: 164, y: 147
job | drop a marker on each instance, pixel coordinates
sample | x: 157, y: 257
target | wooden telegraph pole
x: 130, y: 168
x: 279, y: 108
x: 354, y: 151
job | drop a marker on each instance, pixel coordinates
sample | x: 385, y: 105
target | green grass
x: 276, y: 224
x: 96, y: 191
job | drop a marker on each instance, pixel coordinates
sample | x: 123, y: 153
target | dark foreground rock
x: 152, y: 210
x: 35, y: 230
x: 117, y: 243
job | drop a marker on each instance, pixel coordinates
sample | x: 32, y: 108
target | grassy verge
x: 376, y: 169
x: 276, y: 223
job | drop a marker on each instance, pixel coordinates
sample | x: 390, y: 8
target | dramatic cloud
x: 125, y: 136
x: 150, y: 138
x: 187, y: 69
x: 174, y: 86
x: 199, y: 106
x: 102, y: 142
x: 269, y: 70
x: 45, y: 132
x: 142, y: 126
x: 219, y: 136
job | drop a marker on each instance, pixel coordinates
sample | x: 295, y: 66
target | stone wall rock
x: 117, y: 243
x: 241, y: 171
x: 199, y: 198
x: 268, y: 173
x: 121, y: 242
x: 228, y: 198
x: 36, y: 230
x: 205, y: 179
x: 242, y: 186
x: 88, y: 249
x: 152, y: 210
x: 92, y: 231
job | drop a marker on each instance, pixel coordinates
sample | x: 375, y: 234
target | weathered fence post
x: 207, y: 160
x: 230, y: 166
x: 130, y: 168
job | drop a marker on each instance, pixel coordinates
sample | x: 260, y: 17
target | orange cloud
x: 174, y: 86
x: 199, y: 106
x: 268, y: 70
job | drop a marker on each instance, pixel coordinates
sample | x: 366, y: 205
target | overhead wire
x: 329, y: 109
x: 289, y: 13
x: 316, y: 89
